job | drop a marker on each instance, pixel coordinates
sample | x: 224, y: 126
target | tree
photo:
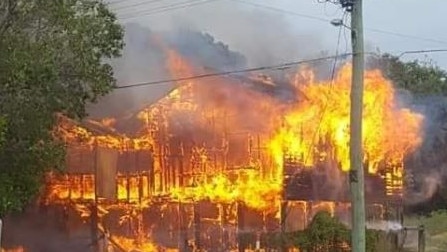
x: 419, y: 77
x: 52, y: 61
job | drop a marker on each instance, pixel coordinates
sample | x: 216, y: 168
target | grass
x: 436, y: 230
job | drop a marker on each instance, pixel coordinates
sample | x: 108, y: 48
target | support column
x: 240, y: 226
x: 224, y: 223
x: 94, y: 227
x: 421, y: 239
x: 283, y: 219
x: 197, y: 228
x: 182, y: 235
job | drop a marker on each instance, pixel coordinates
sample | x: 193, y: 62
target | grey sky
x: 269, y: 36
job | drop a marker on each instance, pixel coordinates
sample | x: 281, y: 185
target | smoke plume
x: 215, y: 37
x: 427, y: 168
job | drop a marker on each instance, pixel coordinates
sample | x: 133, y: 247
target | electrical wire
x: 194, y: 3
x: 246, y: 70
x: 120, y: 8
x: 171, y: 5
x: 283, y: 11
x: 162, y: 9
x: 272, y: 67
x: 421, y: 51
x: 328, y: 21
x: 397, y: 34
x: 118, y: 1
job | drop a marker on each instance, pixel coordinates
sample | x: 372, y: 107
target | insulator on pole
x: 347, y: 4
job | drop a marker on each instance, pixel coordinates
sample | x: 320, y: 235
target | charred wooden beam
x: 240, y: 226
x: 182, y: 233
x: 197, y: 226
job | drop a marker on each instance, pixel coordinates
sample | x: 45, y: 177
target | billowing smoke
x: 218, y: 36
x: 428, y: 166
x: 262, y: 35
x: 144, y: 59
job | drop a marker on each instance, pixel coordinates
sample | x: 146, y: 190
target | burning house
x: 223, y: 157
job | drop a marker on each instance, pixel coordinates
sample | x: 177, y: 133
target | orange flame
x: 389, y: 132
x: 314, y: 129
x: 130, y: 244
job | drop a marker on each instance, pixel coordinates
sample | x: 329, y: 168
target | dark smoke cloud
x: 216, y: 37
x: 428, y: 166
x: 263, y: 36
x: 144, y: 59
x: 204, y: 51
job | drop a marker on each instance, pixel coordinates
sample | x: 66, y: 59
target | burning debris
x: 219, y: 157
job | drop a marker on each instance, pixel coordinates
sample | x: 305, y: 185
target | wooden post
x: 182, y: 237
x: 197, y: 230
x: 223, y: 223
x: 240, y: 226
x: 421, y: 239
x: 283, y: 220
x: 94, y: 227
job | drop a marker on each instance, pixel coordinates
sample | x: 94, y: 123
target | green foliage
x: 372, y: 239
x: 51, y: 61
x: 421, y: 78
x: 324, y: 233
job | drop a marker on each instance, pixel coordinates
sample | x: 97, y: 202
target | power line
x: 273, y: 67
x: 143, y: 11
x: 118, y: 1
x: 327, y: 21
x: 120, y: 8
x: 283, y: 11
x: 162, y: 9
x: 115, y: 2
x: 422, y: 51
x: 397, y: 34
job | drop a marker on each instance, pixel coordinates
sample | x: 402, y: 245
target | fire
x: 74, y: 187
x: 218, y: 140
x: 317, y: 128
x: 248, y: 187
x: 18, y: 249
x: 130, y: 244
x: 314, y: 129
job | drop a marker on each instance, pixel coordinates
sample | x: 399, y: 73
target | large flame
x: 313, y: 128
x: 205, y: 115
x: 322, y: 118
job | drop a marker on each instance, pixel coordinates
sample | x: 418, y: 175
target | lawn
x: 436, y: 231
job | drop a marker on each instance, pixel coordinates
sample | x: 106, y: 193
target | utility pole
x: 356, y: 176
